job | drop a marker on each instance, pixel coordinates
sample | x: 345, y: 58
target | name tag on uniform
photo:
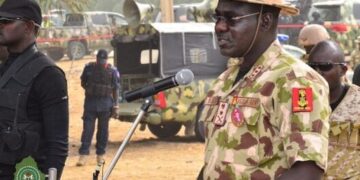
x: 246, y: 101
x: 220, y: 117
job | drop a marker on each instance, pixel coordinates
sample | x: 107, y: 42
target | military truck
x: 340, y: 17
x: 165, y: 49
x: 81, y: 34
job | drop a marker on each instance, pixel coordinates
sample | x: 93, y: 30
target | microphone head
x: 184, y: 77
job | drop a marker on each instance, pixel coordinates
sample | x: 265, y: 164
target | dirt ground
x: 145, y: 157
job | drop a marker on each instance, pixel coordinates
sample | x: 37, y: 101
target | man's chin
x: 228, y: 53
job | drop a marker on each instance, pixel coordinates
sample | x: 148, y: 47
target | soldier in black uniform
x: 101, y: 83
x: 34, y: 115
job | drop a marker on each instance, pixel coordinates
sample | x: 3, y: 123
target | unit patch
x: 302, y: 100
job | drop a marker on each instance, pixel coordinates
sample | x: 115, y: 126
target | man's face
x: 234, y: 33
x: 11, y: 31
x: 329, y: 66
x: 101, y: 61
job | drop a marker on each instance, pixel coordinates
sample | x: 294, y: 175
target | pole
x: 167, y: 11
x: 148, y: 102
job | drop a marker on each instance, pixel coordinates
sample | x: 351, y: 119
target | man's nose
x: 221, y: 26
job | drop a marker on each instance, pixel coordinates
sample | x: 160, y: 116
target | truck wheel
x: 165, y: 130
x: 55, y: 54
x: 76, y: 50
x: 199, y: 125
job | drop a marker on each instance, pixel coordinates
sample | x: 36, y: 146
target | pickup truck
x: 81, y: 34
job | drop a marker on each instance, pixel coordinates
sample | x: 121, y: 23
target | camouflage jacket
x: 344, y: 149
x: 252, y: 129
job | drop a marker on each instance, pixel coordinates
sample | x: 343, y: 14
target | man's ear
x: 344, y: 69
x: 267, y: 21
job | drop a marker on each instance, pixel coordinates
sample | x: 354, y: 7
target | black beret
x: 102, y: 54
x: 27, y: 9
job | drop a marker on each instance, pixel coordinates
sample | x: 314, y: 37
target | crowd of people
x: 267, y: 116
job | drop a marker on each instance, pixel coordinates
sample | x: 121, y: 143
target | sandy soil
x: 145, y: 157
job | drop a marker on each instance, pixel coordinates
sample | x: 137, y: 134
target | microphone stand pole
x: 145, y: 106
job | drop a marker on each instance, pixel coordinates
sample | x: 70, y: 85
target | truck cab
x: 80, y: 34
x: 165, y: 49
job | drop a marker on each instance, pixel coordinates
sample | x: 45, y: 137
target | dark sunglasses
x: 231, y: 20
x: 5, y: 20
x: 327, y: 66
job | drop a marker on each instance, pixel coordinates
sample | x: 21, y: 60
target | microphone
x: 183, y: 77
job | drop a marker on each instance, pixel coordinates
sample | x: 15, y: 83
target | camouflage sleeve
x: 304, y: 134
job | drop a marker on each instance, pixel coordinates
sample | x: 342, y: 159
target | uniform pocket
x: 242, y: 146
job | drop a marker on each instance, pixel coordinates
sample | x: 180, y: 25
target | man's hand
x: 114, y: 111
x: 303, y: 170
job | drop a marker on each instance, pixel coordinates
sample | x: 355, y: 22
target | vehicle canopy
x: 172, y: 47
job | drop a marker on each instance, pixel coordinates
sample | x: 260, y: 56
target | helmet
x: 312, y: 34
x: 102, y: 54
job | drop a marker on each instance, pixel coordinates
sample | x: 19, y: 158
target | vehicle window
x: 99, y: 19
x: 329, y: 13
x: 195, y: 51
x: 56, y: 21
x: 74, y: 20
x: 145, y: 56
x: 117, y: 20
x: 198, y: 55
x: 356, y: 11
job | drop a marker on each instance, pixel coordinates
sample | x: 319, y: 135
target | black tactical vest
x: 100, y: 81
x: 15, y: 85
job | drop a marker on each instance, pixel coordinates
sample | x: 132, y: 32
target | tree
x: 68, y: 5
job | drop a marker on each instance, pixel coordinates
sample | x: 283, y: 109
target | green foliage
x: 69, y: 5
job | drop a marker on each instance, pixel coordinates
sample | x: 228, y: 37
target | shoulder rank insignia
x: 302, y: 100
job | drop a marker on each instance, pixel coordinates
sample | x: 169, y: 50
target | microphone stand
x: 144, y: 108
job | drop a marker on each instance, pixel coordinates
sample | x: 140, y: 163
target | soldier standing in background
x: 309, y: 36
x: 101, y: 83
x: 316, y: 18
x: 266, y: 117
x: 328, y: 59
x: 34, y: 115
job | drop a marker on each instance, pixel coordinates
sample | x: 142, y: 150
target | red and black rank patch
x: 302, y: 100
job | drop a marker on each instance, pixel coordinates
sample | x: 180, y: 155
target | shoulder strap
x: 26, y: 75
x: 20, y: 61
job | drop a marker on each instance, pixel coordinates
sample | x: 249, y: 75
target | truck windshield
x: 99, y: 19
x: 329, y: 13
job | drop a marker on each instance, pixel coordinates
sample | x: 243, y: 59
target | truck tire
x: 199, y: 125
x: 55, y: 54
x: 76, y: 50
x: 165, y: 130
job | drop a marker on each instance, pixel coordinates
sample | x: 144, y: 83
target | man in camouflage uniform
x: 310, y: 35
x: 266, y: 117
x: 344, y: 150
